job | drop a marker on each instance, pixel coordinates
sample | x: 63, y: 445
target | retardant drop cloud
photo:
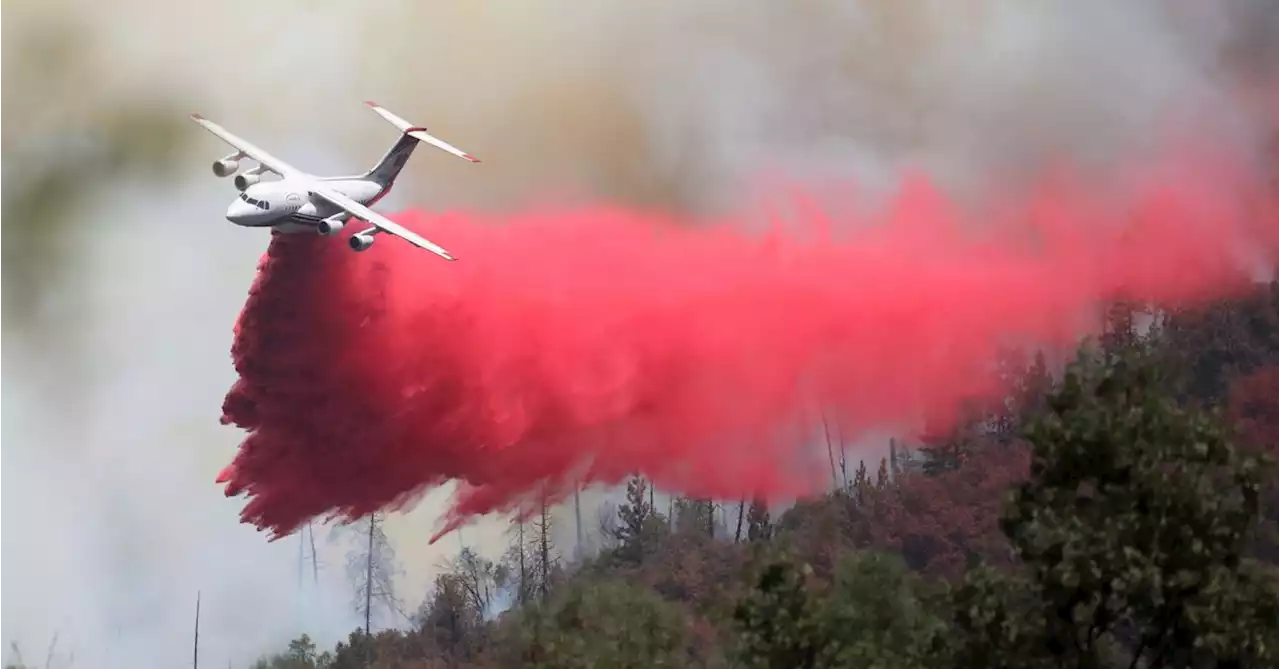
x: 591, y: 343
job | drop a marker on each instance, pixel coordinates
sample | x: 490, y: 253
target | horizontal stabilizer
x: 418, y: 132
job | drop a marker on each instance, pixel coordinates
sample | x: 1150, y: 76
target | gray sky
x: 111, y: 441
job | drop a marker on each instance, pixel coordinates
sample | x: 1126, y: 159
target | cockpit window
x: 261, y: 204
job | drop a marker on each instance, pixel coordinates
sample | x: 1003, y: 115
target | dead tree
x: 742, y: 510
x: 195, y: 642
x: 542, y: 524
x: 372, y: 568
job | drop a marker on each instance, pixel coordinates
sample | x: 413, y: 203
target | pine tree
x: 641, y: 526
x: 695, y: 516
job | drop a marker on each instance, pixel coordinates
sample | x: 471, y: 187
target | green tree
x: 300, y: 655
x: 1132, y: 527
x: 640, y: 526
x: 776, y: 625
x: 610, y: 624
x: 695, y: 516
x: 449, y: 620
x: 302, y: 651
x: 875, y: 615
x: 388, y: 649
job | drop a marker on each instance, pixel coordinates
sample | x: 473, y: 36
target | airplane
x: 299, y: 202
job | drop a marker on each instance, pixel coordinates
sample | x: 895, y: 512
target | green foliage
x: 385, y: 650
x: 776, y: 620
x: 993, y: 618
x: 300, y: 655
x: 452, y: 616
x: 695, y: 516
x: 875, y: 615
x: 1132, y: 527
x: 641, y: 527
x: 608, y: 624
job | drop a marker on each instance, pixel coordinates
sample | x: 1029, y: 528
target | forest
x: 1120, y: 511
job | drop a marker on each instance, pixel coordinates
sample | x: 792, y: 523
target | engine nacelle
x: 361, y: 241
x: 225, y: 167
x: 332, y: 226
x: 245, y: 180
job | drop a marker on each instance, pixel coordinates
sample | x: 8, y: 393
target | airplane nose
x: 239, y: 212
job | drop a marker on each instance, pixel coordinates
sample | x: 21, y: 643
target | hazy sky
x: 111, y: 520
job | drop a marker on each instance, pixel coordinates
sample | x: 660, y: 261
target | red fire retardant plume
x: 588, y: 344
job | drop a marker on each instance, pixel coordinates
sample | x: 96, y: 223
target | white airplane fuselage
x: 290, y: 208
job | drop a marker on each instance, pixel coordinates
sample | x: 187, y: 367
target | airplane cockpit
x: 261, y: 204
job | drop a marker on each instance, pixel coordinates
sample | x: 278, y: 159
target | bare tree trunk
x: 652, y: 508
x: 711, y: 518
x: 302, y: 554
x: 545, y: 547
x: 307, y: 537
x: 368, y: 581
x: 844, y: 462
x: 53, y: 646
x: 577, y: 522
x: 195, y: 642
x: 742, y: 507
x: 835, y: 482
x: 315, y: 565
x: 524, y: 571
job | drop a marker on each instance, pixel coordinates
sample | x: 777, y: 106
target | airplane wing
x: 374, y: 218
x: 317, y: 188
x: 265, y: 159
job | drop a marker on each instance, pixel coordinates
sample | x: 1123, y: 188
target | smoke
x: 679, y: 106
x: 111, y: 385
x: 661, y: 105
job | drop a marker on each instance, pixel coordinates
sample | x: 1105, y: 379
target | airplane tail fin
x: 417, y: 132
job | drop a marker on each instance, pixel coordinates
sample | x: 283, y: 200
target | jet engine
x: 361, y: 241
x: 225, y: 167
x: 332, y: 226
x: 245, y: 180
